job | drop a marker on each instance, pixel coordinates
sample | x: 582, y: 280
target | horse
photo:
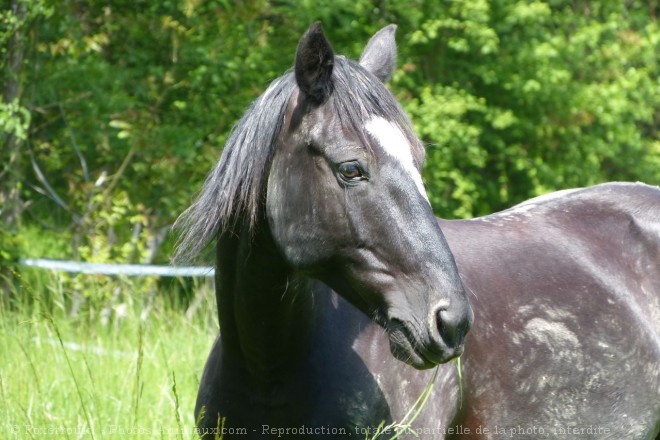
x: 344, y: 302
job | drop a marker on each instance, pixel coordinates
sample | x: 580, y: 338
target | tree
x: 16, y: 17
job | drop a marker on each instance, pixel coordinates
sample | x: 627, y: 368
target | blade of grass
x: 420, y: 406
x: 416, y: 409
x: 50, y: 320
x: 32, y: 368
x: 176, y: 406
x: 200, y: 417
x: 220, y: 431
x: 378, y: 432
x: 459, y: 371
x: 28, y: 419
x: 138, y: 370
x: 4, y: 393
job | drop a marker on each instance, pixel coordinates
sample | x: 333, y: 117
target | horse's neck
x: 266, y: 310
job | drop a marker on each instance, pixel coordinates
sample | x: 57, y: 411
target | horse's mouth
x: 408, y: 348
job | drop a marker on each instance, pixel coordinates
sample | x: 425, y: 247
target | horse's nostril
x: 443, y: 330
x: 449, y: 327
x: 440, y: 325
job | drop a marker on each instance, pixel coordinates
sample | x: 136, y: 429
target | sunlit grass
x: 132, y: 375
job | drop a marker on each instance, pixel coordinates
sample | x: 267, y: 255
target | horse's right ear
x: 314, y: 62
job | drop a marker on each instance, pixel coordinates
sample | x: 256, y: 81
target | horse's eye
x: 350, y: 171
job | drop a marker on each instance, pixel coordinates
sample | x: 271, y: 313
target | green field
x: 124, y: 365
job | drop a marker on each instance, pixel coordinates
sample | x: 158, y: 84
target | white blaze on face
x: 392, y: 140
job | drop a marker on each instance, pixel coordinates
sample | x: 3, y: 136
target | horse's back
x: 566, y: 294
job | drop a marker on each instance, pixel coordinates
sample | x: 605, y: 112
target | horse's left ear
x: 314, y: 62
x: 379, y: 57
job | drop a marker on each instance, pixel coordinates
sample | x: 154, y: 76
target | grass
x: 404, y: 426
x: 129, y: 376
x: 118, y: 374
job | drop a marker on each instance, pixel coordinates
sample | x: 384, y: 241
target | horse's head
x: 346, y: 204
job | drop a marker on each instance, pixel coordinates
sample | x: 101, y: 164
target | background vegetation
x: 112, y: 112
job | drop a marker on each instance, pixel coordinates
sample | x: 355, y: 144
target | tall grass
x: 127, y: 364
x: 97, y: 374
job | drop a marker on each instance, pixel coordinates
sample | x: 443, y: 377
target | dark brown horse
x: 336, y: 286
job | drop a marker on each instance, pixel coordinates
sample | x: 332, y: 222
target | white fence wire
x: 118, y: 269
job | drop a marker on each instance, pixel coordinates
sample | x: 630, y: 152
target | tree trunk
x: 10, y: 147
x: 10, y: 176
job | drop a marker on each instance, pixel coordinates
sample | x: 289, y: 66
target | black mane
x: 234, y: 192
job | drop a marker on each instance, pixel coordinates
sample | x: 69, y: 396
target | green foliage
x: 9, y: 251
x: 14, y: 119
x: 526, y: 97
x: 15, y: 18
